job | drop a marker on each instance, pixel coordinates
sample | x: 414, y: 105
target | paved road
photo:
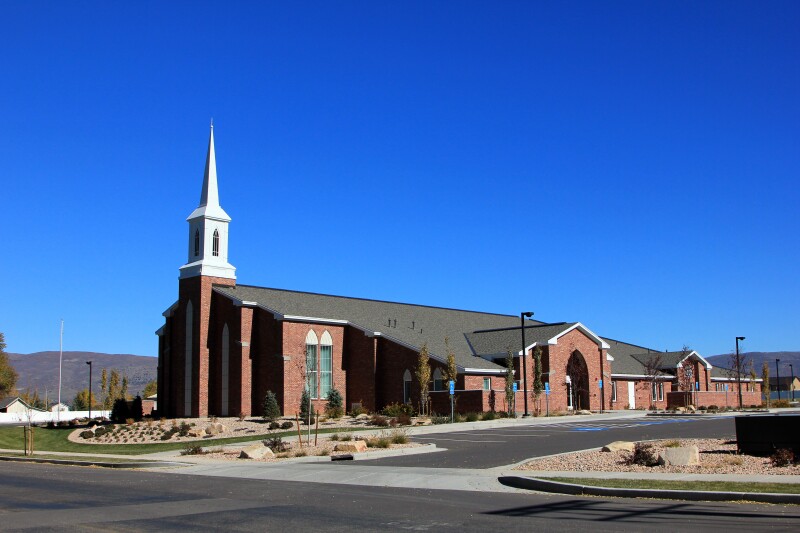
x: 499, y: 447
x: 58, y: 498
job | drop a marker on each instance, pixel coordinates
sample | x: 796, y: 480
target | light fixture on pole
x: 60, y: 356
x: 524, y: 357
x: 90, y: 388
x: 739, y: 371
x: 778, y: 376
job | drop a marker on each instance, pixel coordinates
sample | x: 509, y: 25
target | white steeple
x: 208, y: 228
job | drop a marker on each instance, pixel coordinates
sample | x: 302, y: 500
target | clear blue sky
x: 630, y: 165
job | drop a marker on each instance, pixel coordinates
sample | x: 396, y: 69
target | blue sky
x: 630, y: 165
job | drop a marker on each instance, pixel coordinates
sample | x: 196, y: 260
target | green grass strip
x: 710, y: 486
x: 55, y: 440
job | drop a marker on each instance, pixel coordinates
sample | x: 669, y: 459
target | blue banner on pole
x: 600, y: 383
x: 696, y: 385
x: 547, y: 388
x: 515, y: 387
x: 452, y: 386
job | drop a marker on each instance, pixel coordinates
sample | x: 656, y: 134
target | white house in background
x: 59, y: 407
x: 15, y: 405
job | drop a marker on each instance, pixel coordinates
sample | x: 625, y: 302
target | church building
x: 223, y: 345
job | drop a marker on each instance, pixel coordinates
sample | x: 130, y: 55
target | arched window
x: 225, y: 371
x: 325, y: 364
x: 215, y: 244
x: 196, y: 242
x: 438, y: 382
x: 187, y: 374
x: 407, y: 387
x: 312, y: 374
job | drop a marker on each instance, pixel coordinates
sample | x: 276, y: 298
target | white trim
x: 600, y: 342
x: 629, y: 377
x: 707, y: 364
x: 296, y: 318
x: 757, y: 380
x: 484, y: 371
x: 608, y: 357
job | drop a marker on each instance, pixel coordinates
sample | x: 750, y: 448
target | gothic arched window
x: 311, y: 364
x: 215, y: 244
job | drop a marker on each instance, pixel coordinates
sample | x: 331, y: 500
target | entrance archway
x: 578, y: 374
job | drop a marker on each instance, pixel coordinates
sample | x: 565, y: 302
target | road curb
x: 103, y: 464
x: 543, y: 485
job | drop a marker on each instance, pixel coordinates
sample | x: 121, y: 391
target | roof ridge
x: 527, y: 326
x: 366, y: 299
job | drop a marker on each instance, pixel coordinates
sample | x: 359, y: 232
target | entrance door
x: 631, y: 395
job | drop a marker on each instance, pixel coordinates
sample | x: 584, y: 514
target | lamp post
x: 739, y: 371
x: 791, y: 383
x: 90, y: 388
x: 524, y: 357
x: 778, y: 376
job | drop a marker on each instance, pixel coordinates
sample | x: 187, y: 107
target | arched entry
x: 578, y: 382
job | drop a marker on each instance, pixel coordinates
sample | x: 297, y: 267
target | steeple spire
x: 208, y: 228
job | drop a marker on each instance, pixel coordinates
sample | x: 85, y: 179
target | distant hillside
x: 39, y: 371
x: 758, y: 359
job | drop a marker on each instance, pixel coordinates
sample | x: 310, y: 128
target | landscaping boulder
x: 424, y: 421
x: 215, y: 429
x: 619, y: 445
x: 691, y: 409
x: 256, y: 451
x: 680, y: 409
x: 584, y: 412
x: 196, y: 432
x: 355, y: 446
x: 362, y: 416
x: 682, y: 456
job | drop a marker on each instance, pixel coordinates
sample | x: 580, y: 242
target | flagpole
x: 60, y: 355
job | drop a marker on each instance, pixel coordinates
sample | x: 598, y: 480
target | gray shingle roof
x: 496, y: 342
x: 8, y: 401
x: 409, y: 324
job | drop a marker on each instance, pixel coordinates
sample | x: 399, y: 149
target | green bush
x: 136, y: 410
x: 275, y: 444
x: 440, y: 420
x: 306, y: 408
x: 334, y: 407
x: 274, y: 425
x: 334, y: 437
x: 120, y: 411
x: 489, y: 415
x: 378, y: 442
x: 399, y: 436
x: 403, y: 420
x: 271, y: 410
x: 192, y: 449
x: 397, y: 409
x: 87, y: 434
x: 287, y: 425
x: 782, y: 457
x: 379, y: 420
x: 643, y: 455
x: 471, y: 417
x: 780, y: 403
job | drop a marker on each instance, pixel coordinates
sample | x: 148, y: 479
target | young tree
x: 510, y: 382
x: 652, y: 369
x: 107, y: 400
x: 306, y: 407
x: 81, y: 401
x: 538, y: 386
x: 451, y: 373
x: 685, y: 377
x: 123, y: 393
x: 137, y: 411
x: 740, y: 365
x: 271, y: 410
x: 765, y: 387
x: 423, y: 375
x: 32, y: 399
x: 8, y: 376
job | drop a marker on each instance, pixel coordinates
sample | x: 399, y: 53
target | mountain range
x: 39, y: 371
x: 758, y: 359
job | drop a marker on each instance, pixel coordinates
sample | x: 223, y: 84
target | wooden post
x: 316, y: 431
x: 299, y: 434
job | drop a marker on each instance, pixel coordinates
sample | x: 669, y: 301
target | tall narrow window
x: 438, y: 382
x: 407, y: 387
x: 613, y: 391
x: 215, y: 244
x: 224, y: 374
x: 187, y: 374
x: 325, y: 365
x: 196, y: 242
x: 312, y: 374
x: 487, y: 383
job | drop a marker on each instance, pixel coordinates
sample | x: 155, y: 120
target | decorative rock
x: 215, y: 429
x: 619, y: 445
x: 681, y: 409
x: 362, y: 416
x: 691, y: 409
x: 356, y: 446
x: 196, y: 432
x: 424, y: 422
x: 256, y: 451
x: 682, y: 456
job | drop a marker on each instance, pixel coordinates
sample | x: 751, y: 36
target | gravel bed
x: 716, y: 457
x: 324, y: 448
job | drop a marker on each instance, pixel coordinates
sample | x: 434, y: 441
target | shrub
x: 780, y: 403
x: 346, y: 437
x: 713, y: 407
x: 734, y: 460
x: 399, y: 436
x: 489, y: 415
x: 642, y: 455
x: 87, y: 434
x: 306, y: 408
x: 672, y: 444
x: 782, y: 457
x: 271, y: 410
x: 324, y: 452
x: 192, y: 449
x: 393, y: 422
x: 183, y: 429
x: 274, y: 425
x: 287, y: 425
x: 334, y: 437
x: 120, y: 411
x: 378, y: 420
x: 358, y: 409
x: 242, y: 416
x: 275, y: 444
x: 130, y: 421
x: 168, y: 434
x: 300, y: 453
x: 100, y: 431
x: 378, y: 442
x: 440, y: 419
x: 471, y: 417
x: 396, y: 409
x: 334, y: 407
x: 404, y: 419
x: 136, y: 410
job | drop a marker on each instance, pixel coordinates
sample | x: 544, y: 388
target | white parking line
x: 457, y: 440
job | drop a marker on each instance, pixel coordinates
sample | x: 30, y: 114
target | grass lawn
x: 719, y: 486
x: 55, y: 440
x: 100, y: 459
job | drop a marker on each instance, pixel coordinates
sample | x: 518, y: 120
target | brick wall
x: 555, y: 358
x: 706, y: 398
x: 360, y: 366
x: 643, y: 397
